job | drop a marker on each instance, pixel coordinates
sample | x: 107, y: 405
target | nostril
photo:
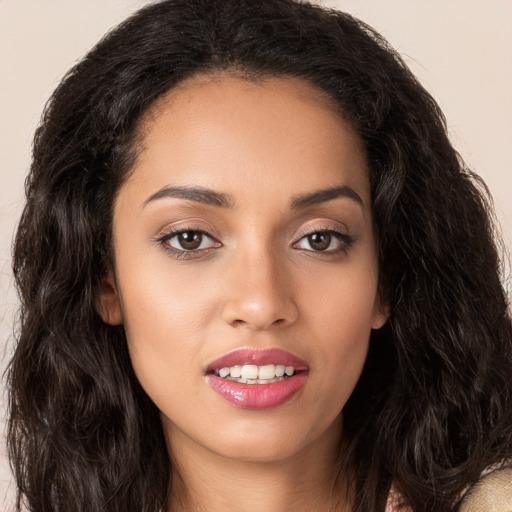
x: 240, y: 323
x: 259, y: 311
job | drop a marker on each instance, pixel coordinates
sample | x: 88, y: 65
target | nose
x: 260, y: 294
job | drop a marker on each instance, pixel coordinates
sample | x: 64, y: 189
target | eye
x: 188, y: 240
x: 323, y: 241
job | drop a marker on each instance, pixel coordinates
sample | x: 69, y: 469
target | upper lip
x: 258, y: 357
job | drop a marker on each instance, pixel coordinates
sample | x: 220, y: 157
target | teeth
x: 224, y: 372
x: 234, y: 371
x: 267, y: 372
x: 252, y: 374
x: 249, y: 371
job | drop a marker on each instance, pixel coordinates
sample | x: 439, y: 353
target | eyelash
x: 183, y: 254
x: 345, y: 240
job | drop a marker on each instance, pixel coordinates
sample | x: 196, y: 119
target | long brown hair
x: 433, y: 406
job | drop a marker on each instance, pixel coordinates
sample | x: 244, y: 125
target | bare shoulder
x: 493, y: 493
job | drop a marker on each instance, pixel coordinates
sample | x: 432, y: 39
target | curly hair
x: 433, y: 406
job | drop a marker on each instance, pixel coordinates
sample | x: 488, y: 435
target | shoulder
x: 493, y: 492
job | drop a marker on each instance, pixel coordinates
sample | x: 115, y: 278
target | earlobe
x: 381, y: 314
x: 108, y: 301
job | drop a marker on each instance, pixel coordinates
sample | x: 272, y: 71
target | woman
x: 254, y: 274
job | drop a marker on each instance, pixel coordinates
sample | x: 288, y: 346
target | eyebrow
x: 197, y: 194
x: 211, y: 197
x: 321, y: 196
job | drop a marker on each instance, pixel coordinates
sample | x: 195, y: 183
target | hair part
x: 433, y: 406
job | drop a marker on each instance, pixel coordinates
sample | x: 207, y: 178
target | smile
x: 259, y: 379
x: 252, y: 374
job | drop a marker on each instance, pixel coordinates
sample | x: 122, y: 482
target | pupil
x: 190, y: 239
x: 320, y: 241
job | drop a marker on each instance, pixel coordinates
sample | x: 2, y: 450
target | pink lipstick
x: 257, y: 379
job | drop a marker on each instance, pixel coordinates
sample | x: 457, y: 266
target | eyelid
x: 344, y: 238
x: 170, y: 232
x: 171, y: 236
x: 184, y: 225
x: 321, y: 226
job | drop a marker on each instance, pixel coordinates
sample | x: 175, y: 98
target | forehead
x: 282, y: 132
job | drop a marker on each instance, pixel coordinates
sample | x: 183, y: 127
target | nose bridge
x: 259, y: 295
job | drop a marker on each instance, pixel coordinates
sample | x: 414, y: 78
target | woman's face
x: 243, y: 244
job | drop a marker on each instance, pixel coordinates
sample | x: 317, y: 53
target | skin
x: 257, y: 282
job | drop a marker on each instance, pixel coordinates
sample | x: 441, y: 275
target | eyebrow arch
x: 321, y: 196
x: 198, y: 194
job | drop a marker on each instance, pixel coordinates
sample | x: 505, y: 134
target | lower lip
x: 257, y: 396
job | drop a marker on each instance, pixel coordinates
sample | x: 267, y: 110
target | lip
x: 259, y: 357
x: 258, y: 396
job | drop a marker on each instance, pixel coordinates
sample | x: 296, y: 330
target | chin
x: 265, y: 451
x: 271, y: 442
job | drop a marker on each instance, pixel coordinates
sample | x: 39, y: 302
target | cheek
x: 164, y: 315
x: 158, y: 296
x: 341, y: 314
x: 164, y: 343
x: 341, y: 302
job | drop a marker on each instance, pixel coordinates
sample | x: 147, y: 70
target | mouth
x: 253, y: 374
x: 257, y: 379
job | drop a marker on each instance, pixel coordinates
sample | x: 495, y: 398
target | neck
x: 206, y: 481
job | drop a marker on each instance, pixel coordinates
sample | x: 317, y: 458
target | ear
x: 108, y: 303
x: 381, y: 312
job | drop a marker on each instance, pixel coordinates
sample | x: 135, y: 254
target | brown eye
x: 189, y: 241
x: 319, y: 241
x: 323, y: 241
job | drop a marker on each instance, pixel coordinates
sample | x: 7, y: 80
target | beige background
x: 460, y: 49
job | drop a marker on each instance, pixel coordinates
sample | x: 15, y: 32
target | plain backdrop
x: 460, y: 49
